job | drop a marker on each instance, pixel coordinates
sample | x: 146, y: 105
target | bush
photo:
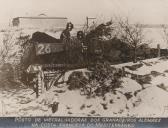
x: 7, y: 71
x: 76, y: 80
x: 105, y: 77
x: 102, y: 79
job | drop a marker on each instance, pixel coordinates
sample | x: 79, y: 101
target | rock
x: 70, y: 112
x: 104, y: 106
x: 93, y: 112
x: 111, y: 101
x: 134, y: 67
x: 155, y: 73
x: 82, y: 107
x: 59, y: 91
x: 54, y: 107
x: 128, y: 95
x: 88, y: 106
x: 68, y: 107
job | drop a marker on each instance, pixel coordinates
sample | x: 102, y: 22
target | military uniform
x: 66, y: 39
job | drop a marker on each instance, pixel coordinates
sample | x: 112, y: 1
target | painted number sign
x: 47, y: 48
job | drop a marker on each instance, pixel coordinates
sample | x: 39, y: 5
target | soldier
x: 66, y: 39
x: 66, y: 33
x: 80, y: 37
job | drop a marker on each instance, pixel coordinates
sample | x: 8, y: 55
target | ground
x: 143, y: 93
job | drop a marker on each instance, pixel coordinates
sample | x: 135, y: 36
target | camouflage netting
x: 101, y: 79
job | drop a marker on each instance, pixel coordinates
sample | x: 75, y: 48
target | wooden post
x: 17, y: 73
x: 87, y: 22
x: 40, y: 77
x: 158, y: 49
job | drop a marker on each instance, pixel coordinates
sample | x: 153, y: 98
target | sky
x: 143, y: 11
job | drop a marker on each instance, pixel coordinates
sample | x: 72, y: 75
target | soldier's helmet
x: 80, y: 35
x: 69, y: 26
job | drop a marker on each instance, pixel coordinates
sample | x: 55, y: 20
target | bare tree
x: 133, y: 35
x: 6, y: 47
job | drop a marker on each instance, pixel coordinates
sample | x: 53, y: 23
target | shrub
x: 102, y: 79
x: 105, y: 77
x: 76, y: 80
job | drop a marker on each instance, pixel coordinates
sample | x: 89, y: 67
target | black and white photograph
x: 84, y: 58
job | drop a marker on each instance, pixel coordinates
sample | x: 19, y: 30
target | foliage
x: 13, y: 48
x: 132, y: 34
x: 101, y: 31
x: 106, y: 78
x: 76, y: 80
x: 6, y: 48
x: 7, y: 72
x: 26, y: 49
x: 102, y: 79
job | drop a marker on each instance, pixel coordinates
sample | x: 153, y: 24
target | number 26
x: 43, y: 49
